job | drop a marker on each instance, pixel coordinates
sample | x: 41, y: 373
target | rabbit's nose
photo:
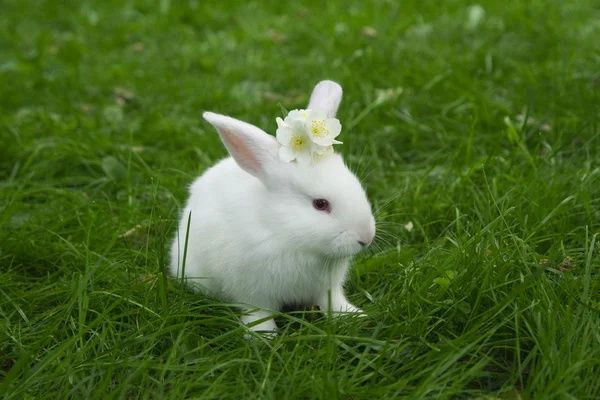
x: 365, y: 243
x: 367, y: 235
x: 365, y: 240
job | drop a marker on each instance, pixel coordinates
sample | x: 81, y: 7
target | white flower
x: 306, y: 135
x: 292, y: 136
x: 322, y: 130
x: 294, y: 145
x: 320, y: 152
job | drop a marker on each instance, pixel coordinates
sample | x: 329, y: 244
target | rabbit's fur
x: 254, y: 236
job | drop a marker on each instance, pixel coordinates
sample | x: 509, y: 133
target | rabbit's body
x: 261, y: 268
x: 267, y: 232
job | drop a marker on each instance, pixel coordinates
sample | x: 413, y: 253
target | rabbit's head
x: 317, y: 207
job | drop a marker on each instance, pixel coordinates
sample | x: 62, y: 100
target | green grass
x: 487, y: 140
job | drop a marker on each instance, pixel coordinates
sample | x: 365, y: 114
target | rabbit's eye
x: 321, y: 205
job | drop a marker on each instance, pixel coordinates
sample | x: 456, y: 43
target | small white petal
x: 298, y: 126
x: 284, y: 135
x: 320, y: 152
x: 333, y: 126
x: 286, y: 154
x: 298, y: 115
x: 322, y: 141
x: 328, y: 151
x: 280, y: 122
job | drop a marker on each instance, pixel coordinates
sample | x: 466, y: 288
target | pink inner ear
x: 240, y: 151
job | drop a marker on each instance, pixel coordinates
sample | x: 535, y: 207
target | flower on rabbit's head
x: 306, y: 135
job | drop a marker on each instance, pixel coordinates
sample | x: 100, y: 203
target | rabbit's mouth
x: 346, y: 244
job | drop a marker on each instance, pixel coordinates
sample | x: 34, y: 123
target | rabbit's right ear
x: 326, y: 97
x: 252, y: 148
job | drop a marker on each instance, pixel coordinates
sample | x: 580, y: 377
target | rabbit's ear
x: 326, y: 97
x: 251, y: 147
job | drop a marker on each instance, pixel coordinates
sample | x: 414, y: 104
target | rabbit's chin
x: 342, y: 253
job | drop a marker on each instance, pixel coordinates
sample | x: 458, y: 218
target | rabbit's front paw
x: 259, y: 321
x: 339, y: 304
x: 351, y: 308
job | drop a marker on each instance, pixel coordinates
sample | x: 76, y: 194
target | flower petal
x: 299, y: 142
x: 322, y: 141
x: 286, y: 154
x: 298, y: 115
x: 284, y: 135
x: 298, y: 126
x: 333, y: 126
x: 321, y: 152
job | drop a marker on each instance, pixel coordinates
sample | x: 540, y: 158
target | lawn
x: 474, y: 127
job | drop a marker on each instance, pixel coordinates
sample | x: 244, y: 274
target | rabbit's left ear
x: 252, y: 148
x: 326, y: 97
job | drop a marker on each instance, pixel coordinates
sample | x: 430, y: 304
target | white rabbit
x: 265, y: 233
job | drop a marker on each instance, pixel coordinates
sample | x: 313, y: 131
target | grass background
x: 477, y: 123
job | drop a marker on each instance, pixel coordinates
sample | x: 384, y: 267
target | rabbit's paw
x: 260, y: 321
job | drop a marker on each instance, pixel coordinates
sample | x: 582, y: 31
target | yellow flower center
x: 298, y: 142
x: 317, y: 128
